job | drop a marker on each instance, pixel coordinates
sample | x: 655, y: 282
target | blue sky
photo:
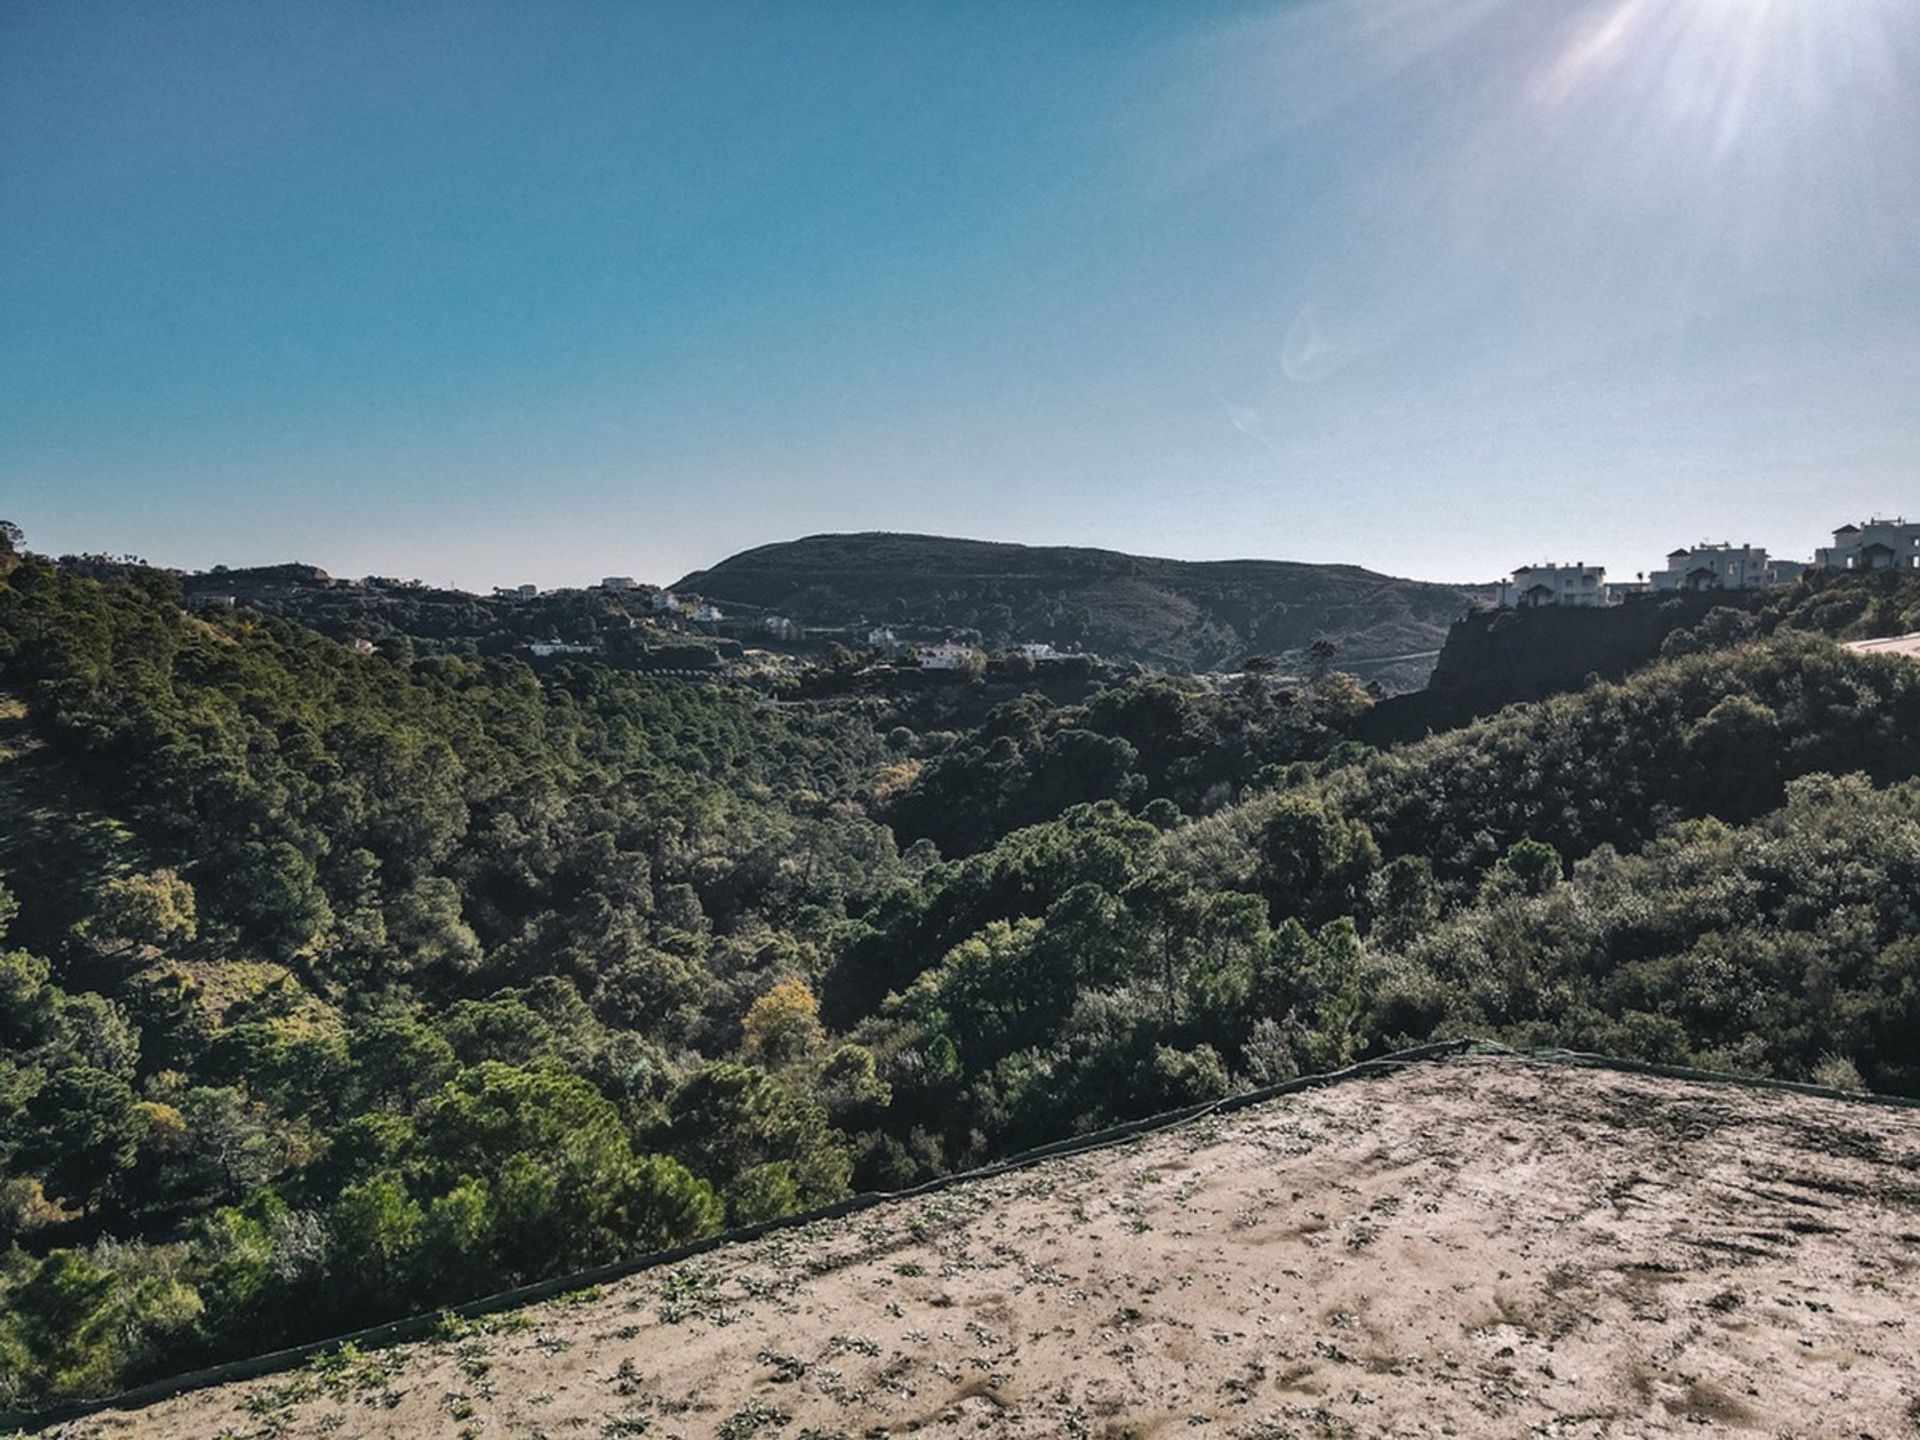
x: 498, y: 292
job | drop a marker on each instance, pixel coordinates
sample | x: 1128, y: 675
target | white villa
x: 1880, y: 544
x: 542, y: 649
x: 1707, y: 567
x: 1536, y: 585
x: 516, y: 592
x: 664, y: 600
x: 707, y: 613
x: 780, y: 627
x: 945, y: 656
x: 619, y: 582
x: 1715, y: 567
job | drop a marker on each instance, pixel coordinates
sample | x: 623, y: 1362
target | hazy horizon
x: 575, y: 578
x: 486, y: 294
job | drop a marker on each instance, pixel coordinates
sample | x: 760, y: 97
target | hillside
x: 1180, y: 615
x: 1494, y: 658
x: 1468, y: 1247
x: 337, y: 987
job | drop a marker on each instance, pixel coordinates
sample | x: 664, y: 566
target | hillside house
x: 664, y: 601
x: 1722, y: 566
x: 516, y: 592
x: 360, y: 645
x: 946, y: 656
x: 1880, y: 544
x: 545, y: 649
x: 619, y: 582
x: 1553, y: 584
x: 780, y: 627
x: 1037, y: 650
x: 707, y: 613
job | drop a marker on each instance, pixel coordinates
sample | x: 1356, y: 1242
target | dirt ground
x: 1471, y: 1247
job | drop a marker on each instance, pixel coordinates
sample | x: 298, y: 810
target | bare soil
x: 1470, y: 1247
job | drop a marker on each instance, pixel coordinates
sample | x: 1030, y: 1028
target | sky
x: 497, y: 292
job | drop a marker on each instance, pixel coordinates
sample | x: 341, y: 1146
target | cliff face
x: 1494, y: 658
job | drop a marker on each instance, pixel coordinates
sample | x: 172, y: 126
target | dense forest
x: 335, y: 986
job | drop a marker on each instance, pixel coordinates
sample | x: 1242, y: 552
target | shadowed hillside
x: 1177, y: 614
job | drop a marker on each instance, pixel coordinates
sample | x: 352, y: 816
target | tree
x: 764, y: 1192
x: 1311, y: 984
x: 783, y: 1025
x: 425, y: 922
x: 728, y: 1119
x: 29, y: 1006
x: 397, y: 1060
x: 991, y: 990
x: 65, y: 1315
x: 1405, y: 899
x: 556, y: 1152
x: 454, y: 1254
x: 850, y: 1085
x: 228, y: 1141
x: 1317, y: 861
x: 493, y: 1111
x: 141, y: 914
x: 93, y: 1030
x: 1530, y: 867
x: 88, y: 1127
x: 666, y: 1204
x: 1339, y: 698
x: 375, y: 1226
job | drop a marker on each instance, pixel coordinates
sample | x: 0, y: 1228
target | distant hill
x: 1179, y: 615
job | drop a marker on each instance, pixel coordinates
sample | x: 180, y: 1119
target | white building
x: 945, y: 656
x: 619, y: 582
x: 881, y: 637
x: 707, y: 612
x: 664, y: 600
x: 1880, y: 544
x: 780, y: 627
x: 516, y: 592
x: 1715, y: 567
x: 542, y: 649
x: 1038, y: 650
x: 1536, y: 585
x: 360, y: 645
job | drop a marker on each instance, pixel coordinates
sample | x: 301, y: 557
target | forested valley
x: 336, y: 987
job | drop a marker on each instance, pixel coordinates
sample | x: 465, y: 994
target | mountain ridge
x: 1192, y: 615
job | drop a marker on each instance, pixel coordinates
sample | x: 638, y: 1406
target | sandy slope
x: 1473, y: 1247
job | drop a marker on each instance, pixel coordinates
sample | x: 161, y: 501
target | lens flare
x: 1593, y: 167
